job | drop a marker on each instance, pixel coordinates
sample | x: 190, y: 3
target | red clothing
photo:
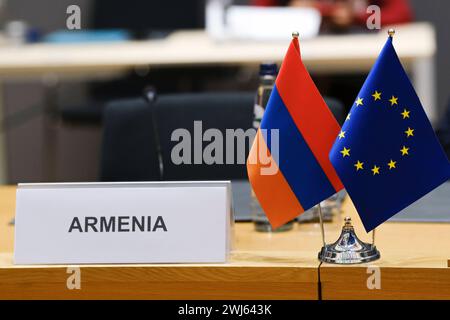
x: 392, y: 11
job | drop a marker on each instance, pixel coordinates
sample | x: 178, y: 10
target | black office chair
x: 129, y: 147
x: 219, y: 111
x: 138, y: 133
x: 148, y: 127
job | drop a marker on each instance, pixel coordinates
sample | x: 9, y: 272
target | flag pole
x: 295, y: 35
x: 322, y: 229
x: 391, y: 32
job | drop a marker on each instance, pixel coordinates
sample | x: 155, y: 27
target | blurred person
x: 343, y: 14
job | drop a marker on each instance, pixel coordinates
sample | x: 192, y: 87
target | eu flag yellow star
x: 404, y: 151
x: 345, y: 152
x: 393, y: 100
x: 391, y: 164
x: 359, y: 165
x: 376, y: 95
x: 409, y: 132
x: 341, y: 134
x: 405, y: 114
x: 375, y: 170
x: 359, y: 101
x: 348, y: 117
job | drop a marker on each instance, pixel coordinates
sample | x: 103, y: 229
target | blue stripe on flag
x: 296, y: 160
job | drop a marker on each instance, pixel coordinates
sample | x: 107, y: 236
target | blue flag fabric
x: 387, y: 154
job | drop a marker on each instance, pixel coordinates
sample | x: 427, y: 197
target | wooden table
x: 413, y: 262
x: 413, y: 265
x: 262, y: 266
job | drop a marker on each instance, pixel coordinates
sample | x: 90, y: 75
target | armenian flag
x: 288, y: 165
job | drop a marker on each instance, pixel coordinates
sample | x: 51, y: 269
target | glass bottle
x: 267, y: 75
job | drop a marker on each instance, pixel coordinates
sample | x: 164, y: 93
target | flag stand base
x: 348, y: 249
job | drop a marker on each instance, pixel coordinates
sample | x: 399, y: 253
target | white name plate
x: 142, y: 222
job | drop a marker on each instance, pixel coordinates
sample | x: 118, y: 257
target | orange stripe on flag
x: 273, y: 192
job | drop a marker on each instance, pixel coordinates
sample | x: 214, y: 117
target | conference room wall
x: 77, y: 148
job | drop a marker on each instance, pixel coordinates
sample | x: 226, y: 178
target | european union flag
x: 387, y: 154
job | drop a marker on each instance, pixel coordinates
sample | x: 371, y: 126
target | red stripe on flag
x: 309, y: 111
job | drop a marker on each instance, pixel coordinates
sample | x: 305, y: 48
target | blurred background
x: 53, y: 110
